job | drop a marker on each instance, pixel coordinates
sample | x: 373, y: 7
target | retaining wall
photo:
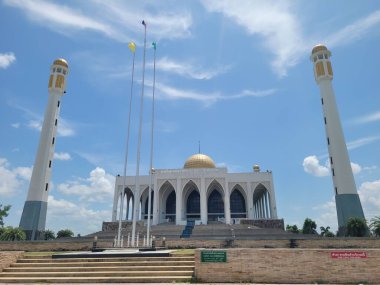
x: 9, y: 257
x: 290, y: 266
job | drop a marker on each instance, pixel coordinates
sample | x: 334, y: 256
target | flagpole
x: 137, y: 186
x: 151, y: 147
x: 118, y: 242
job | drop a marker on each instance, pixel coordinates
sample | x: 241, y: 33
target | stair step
x: 38, y: 260
x: 95, y: 274
x: 130, y: 279
x: 103, y: 263
x: 89, y: 269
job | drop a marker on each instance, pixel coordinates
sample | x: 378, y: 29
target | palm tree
x: 357, y: 227
x: 325, y: 232
x: 12, y: 234
x: 375, y: 226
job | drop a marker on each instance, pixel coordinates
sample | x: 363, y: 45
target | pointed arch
x: 191, y: 201
x: 144, y: 200
x: 166, y: 205
x: 215, y: 201
x: 238, y: 204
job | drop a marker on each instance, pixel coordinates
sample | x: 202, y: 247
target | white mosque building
x: 199, y: 191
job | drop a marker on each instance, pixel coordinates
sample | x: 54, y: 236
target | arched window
x: 151, y: 206
x: 237, y: 204
x: 193, y: 206
x: 171, y: 207
x: 215, y: 206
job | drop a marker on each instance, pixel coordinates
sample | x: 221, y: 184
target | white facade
x: 199, y: 192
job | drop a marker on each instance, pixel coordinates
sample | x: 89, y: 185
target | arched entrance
x: 171, y: 207
x: 237, y: 204
x: 193, y: 206
x: 215, y: 206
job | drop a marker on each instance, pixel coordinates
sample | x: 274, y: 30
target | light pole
x: 151, y: 147
x: 132, y: 47
x: 137, y: 186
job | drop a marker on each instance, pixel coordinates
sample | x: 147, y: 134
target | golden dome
x: 62, y: 62
x: 318, y: 48
x: 199, y: 161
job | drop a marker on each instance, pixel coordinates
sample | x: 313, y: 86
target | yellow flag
x: 132, y: 46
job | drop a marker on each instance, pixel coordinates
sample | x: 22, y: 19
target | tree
x: 356, y: 227
x: 3, y: 213
x: 325, y: 232
x: 375, y: 226
x: 12, y: 234
x: 309, y: 227
x: 294, y: 229
x: 48, y: 235
x: 65, y: 233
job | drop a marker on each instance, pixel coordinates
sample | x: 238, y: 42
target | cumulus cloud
x: 12, y: 179
x: 6, y: 59
x: 62, y: 214
x: 62, y: 156
x: 327, y: 215
x: 369, y: 193
x: 356, y: 168
x: 311, y: 165
x: 97, y: 187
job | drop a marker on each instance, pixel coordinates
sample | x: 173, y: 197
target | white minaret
x: 346, y: 197
x: 33, y: 217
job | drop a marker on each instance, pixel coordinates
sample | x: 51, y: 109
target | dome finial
x: 199, y: 147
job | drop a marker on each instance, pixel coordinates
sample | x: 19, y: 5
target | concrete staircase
x: 44, y: 269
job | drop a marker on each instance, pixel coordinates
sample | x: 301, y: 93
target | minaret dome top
x: 62, y: 62
x: 319, y: 47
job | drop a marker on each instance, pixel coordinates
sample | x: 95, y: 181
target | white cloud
x: 356, y: 168
x: 35, y: 125
x: 15, y: 125
x: 12, y: 179
x: 354, y: 31
x: 62, y: 156
x: 362, y: 142
x: 369, y: 193
x: 98, y: 186
x: 368, y: 118
x: 188, y: 69
x: 171, y: 93
x: 64, y: 214
x: 6, y: 59
x: 64, y: 128
x: 273, y: 21
x: 115, y: 19
x: 311, y: 165
x: 61, y: 15
x: 326, y: 215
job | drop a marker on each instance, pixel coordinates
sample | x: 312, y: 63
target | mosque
x: 199, y: 191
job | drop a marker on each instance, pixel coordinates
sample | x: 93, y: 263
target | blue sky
x: 234, y: 75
